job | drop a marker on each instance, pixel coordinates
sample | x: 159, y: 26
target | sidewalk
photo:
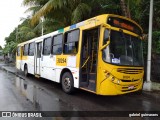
x: 154, y: 94
x: 8, y: 67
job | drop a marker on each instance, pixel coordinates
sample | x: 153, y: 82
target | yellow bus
x: 102, y: 55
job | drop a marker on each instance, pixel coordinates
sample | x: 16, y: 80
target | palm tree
x: 65, y: 11
x: 131, y: 8
x: 124, y: 8
x: 26, y: 31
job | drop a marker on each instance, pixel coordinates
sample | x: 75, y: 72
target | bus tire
x: 26, y: 70
x: 67, y: 83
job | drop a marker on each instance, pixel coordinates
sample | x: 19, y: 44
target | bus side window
x: 18, y: 51
x: 31, y: 49
x: 25, y: 50
x: 57, y: 44
x: 47, y: 46
x: 71, y: 42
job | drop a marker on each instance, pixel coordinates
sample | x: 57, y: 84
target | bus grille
x: 130, y: 80
x: 129, y: 70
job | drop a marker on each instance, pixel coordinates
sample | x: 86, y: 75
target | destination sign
x: 124, y: 24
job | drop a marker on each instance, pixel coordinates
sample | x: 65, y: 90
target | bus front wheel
x: 67, y: 83
x: 25, y: 70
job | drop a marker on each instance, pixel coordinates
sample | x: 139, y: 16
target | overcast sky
x: 10, y: 13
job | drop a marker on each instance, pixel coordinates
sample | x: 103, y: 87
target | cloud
x: 10, y: 13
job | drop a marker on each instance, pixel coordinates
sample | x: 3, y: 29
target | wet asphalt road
x: 33, y: 94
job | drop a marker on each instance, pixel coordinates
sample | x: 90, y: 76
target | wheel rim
x: 67, y: 83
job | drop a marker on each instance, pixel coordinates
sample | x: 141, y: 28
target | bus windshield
x: 124, y: 49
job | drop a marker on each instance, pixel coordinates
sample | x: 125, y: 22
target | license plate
x: 131, y: 87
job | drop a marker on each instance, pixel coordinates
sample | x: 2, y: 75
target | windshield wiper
x: 128, y: 47
x: 124, y: 40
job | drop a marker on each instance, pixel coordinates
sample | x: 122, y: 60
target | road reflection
x: 40, y: 98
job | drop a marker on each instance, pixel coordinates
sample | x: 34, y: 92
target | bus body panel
x: 30, y: 64
x: 24, y: 61
x: 19, y: 58
x: 47, y: 69
x: 122, y: 83
x: 70, y: 63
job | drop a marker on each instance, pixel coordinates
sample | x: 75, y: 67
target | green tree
x: 1, y: 48
x: 61, y: 13
x: 25, y: 31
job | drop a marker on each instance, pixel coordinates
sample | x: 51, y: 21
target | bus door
x: 88, y: 71
x: 38, y: 58
x: 103, y: 56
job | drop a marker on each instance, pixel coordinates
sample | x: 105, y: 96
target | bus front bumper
x: 109, y: 88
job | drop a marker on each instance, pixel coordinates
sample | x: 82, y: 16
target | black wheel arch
x: 25, y: 65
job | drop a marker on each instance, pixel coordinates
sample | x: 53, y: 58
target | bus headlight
x: 118, y: 81
x: 108, y: 74
x: 113, y: 79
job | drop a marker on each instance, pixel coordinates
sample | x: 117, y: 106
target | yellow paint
x: 21, y: 57
x: 24, y: 57
x: 105, y: 85
x: 87, y: 90
x: 61, y: 60
x: 18, y: 57
x: 90, y: 23
x: 101, y: 19
x: 108, y: 88
x: 66, y: 29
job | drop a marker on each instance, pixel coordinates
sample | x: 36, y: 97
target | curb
x: 13, y: 72
x: 10, y: 71
x: 3, y: 68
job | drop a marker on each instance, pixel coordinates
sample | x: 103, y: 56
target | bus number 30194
x: 61, y: 60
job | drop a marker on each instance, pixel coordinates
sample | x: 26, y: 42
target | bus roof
x: 84, y: 24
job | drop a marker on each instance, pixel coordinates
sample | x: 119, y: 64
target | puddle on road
x: 41, y: 99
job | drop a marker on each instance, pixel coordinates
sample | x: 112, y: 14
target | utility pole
x: 148, y: 84
x: 16, y: 34
x: 150, y: 42
x: 42, y: 19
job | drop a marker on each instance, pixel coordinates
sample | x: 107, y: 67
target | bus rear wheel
x: 67, y: 83
x: 25, y: 70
